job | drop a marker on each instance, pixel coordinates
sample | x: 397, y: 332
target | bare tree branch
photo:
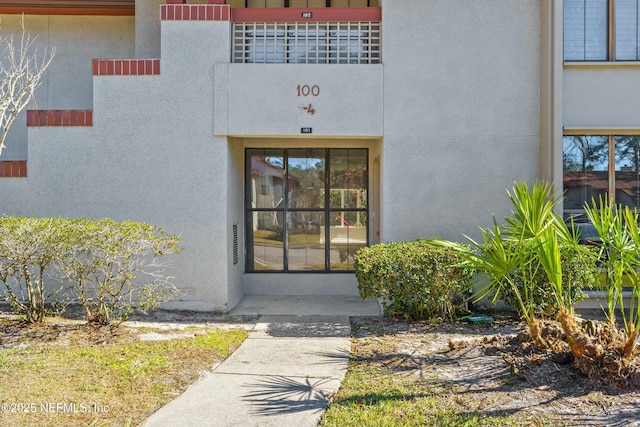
x: 21, y: 70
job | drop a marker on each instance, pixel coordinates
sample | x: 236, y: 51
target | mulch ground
x: 493, y: 370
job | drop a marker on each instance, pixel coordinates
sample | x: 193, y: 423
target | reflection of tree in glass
x: 347, y: 181
x: 628, y: 153
x: 308, y: 185
x: 585, y: 153
x: 627, y: 181
x: 307, y: 191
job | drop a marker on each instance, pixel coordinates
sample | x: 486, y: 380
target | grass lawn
x: 63, y: 373
x: 295, y: 239
x: 371, y: 397
x: 381, y: 391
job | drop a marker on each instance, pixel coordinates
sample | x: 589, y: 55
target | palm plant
x: 536, y: 220
x: 502, y: 259
x: 507, y: 254
x: 549, y: 255
x: 499, y: 259
x: 619, y: 254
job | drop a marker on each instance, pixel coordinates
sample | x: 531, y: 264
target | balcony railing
x: 307, y: 42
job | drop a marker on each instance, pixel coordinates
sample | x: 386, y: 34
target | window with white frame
x: 601, y: 30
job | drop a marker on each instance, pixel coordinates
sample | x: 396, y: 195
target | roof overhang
x: 69, y: 7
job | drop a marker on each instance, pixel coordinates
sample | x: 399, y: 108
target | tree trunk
x: 535, y: 330
x: 630, y: 345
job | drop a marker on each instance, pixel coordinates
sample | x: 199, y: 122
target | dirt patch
x: 490, y: 370
x: 72, y: 329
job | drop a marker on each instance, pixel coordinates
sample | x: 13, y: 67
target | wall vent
x: 236, y: 258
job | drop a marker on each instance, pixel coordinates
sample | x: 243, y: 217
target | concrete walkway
x: 285, y: 372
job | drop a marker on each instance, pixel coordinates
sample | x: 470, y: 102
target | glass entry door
x: 306, y: 209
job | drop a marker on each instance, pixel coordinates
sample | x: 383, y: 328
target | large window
x: 601, y: 30
x: 600, y: 165
x: 306, y: 209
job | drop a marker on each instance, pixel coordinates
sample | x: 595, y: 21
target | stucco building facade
x: 278, y: 137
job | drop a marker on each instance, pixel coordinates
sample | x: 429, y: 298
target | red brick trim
x: 126, y: 67
x: 13, y: 169
x: 195, y: 12
x: 59, y: 118
x: 328, y: 14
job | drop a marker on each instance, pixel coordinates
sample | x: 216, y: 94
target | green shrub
x: 115, y: 267
x: 278, y: 233
x: 30, y: 249
x: 578, y: 272
x: 111, y: 268
x: 416, y: 280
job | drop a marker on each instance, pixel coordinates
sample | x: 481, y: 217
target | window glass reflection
x: 627, y: 167
x: 585, y: 164
x: 265, y: 252
x: 348, y: 179
x: 347, y: 234
x: 306, y: 178
x: 289, y: 225
x: 306, y: 243
x: 267, y: 179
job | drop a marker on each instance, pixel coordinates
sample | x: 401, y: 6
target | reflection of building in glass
x: 318, y: 220
x: 600, y: 166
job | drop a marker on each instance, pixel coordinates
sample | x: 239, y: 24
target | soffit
x: 68, y: 7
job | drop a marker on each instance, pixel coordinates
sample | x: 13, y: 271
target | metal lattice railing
x: 307, y: 43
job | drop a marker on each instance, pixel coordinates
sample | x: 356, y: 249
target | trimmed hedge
x: 416, y: 280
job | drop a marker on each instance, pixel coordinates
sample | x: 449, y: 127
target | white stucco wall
x: 68, y: 83
x: 149, y: 156
x: 263, y: 99
x: 461, y: 112
x: 148, y: 28
x: 601, y: 96
x: 235, y: 216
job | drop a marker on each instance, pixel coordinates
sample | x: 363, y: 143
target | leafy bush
x: 278, y: 233
x: 416, y: 280
x: 115, y: 267
x: 30, y: 248
x: 111, y: 268
x: 578, y: 268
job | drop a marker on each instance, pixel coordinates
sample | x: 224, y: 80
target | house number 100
x: 307, y: 90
